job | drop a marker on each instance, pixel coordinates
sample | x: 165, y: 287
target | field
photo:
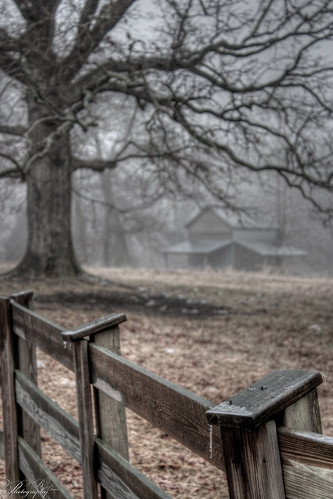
x: 211, y: 332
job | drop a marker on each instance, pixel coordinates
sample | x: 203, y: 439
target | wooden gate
x: 267, y: 438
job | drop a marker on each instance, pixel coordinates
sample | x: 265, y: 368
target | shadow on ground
x: 136, y: 299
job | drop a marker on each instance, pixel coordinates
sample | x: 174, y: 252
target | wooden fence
x: 267, y: 438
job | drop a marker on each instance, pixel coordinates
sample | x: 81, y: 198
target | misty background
x: 127, y: 216
x: 113, y: 226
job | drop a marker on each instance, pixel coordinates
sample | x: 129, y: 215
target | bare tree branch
x: 219, y: 88
x: 97, y: 165
x: 13, y: 130
x: 92, y: 30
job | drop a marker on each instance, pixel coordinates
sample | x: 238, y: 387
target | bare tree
x: 221, y: 86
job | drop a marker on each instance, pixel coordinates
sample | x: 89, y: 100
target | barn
x: 221, y: 237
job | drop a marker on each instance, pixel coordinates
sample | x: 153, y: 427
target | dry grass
x: 258, y: 323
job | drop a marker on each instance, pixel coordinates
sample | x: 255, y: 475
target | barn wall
x: 245, y: 259
x: 222, y: 258
x: 196, y: 261
x: 209, y: 227
x: 262, y: 235
x: 176, y: 261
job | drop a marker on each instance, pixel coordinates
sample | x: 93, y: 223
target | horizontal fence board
x: 38, y: 475
x: 121, y: 479
x: 307, y: 460
x: 62, y: 427
x: 43, y: 333
x: 177, y: 411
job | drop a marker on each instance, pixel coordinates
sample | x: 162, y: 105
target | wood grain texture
x: 39, y: 476
x: 55, y: 421
x: 121, y: 479
x: 85, y: 412
x: 252, y: 458
x: 2, y: 449
x: 304, y: 414
x: 178, y: 412
x: 252, y: 462
x: 307, y: 460
x: 8, y: 392
x: 307, y: 469
x: 114, y: 472
x: 265, y: 399
x: 306, y: 447
x: 24, y: 298
x: 110, y: 413
x: 42, y: 333
x: 27, y: 364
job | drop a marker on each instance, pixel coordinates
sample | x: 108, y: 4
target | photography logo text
x: 26, y: 489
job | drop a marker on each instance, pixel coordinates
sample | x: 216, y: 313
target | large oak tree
x: 219, y: 86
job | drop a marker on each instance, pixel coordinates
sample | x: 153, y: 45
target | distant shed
x: 224, y: 238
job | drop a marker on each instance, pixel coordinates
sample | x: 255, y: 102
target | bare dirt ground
x: 211, y: 332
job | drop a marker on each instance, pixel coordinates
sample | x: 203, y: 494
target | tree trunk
x: 79, y: 233
x: 115, y: 251
x: 49, y: 250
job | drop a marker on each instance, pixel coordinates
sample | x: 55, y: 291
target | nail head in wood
x: 264, y: 399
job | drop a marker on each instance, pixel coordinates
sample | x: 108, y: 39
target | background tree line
x: 174, y: 98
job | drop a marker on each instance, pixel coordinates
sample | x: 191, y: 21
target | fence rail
x: 267, y: 438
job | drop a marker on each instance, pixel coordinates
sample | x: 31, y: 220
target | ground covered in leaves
x: 211, y: 332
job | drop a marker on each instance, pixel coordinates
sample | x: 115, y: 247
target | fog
x: 129, y: 215
x: 146, y: 233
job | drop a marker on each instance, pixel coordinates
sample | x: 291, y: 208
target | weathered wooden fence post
x: 109, y: 414
x: 9, y: 407
x: 27, y: 364
x: 16, y: 353
x: 249, y: 432
x: 85, y: 413
x: 304, y: 414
